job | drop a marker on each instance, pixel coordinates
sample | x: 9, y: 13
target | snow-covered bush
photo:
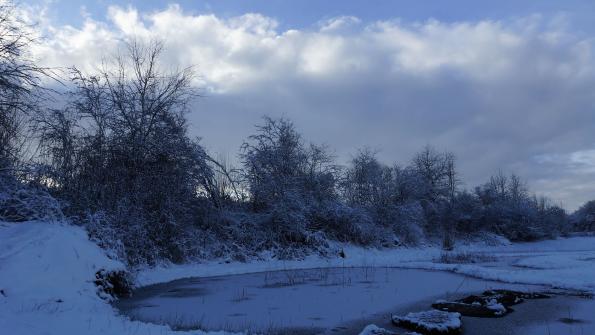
x: 506, y: 208
x: 387, y: 196
x: 113, y: 284
x: 347, y: 224
x: 290, y: 184
x: 409, y: 223
x: 105, y: 234
x: 584, y: 218
x: 21, y: 202
x: 121, y: 147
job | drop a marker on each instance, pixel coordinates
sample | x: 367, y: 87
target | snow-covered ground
x: 46, y: 277
x: 47, y: 272
x: 567, y: 263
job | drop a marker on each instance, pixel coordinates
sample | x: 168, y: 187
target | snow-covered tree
x: 367, y: 182
x: 437, y: 172
x: 287, y: 179
x: 21, y: 95
x: 121, y: 146
x: 584, y: 217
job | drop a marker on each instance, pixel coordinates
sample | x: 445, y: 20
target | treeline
x: 583, y: 220
x: 115, y: 156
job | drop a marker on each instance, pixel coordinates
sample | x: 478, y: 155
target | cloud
x: 500, y: 94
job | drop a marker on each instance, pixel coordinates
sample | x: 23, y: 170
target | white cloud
x: 339, y: 24
x: 498, y: 93
x: 242, y: 49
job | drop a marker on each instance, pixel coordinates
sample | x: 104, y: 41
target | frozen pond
x: 335, y: 300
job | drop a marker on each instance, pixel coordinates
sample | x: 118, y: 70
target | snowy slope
x: 46, y: 277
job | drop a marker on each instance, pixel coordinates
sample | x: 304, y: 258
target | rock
x: 432, y: 322
x: 113, y: 284
x: 474, y: 310
x: 375, y: 330
x: 492, y: 303
x: 509, y: 297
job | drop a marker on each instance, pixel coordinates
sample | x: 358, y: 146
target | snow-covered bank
x: 355, y: 257
x: 567, y: 263
x: 47, y: 273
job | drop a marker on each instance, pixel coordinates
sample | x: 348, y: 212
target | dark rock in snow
x: 375, y: 330
x: 509, y: 298
x: 483, y: 310
x: 432, y: 322
x: 492, y: 303
x: 113, y: 284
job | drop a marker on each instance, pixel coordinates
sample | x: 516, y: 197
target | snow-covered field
x: 47, y: 272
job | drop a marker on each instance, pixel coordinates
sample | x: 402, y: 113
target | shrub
x: 21, y: 202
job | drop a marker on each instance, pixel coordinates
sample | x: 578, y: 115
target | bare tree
x: 20, y: 83
x: 121, y: 146
x: 367, y: 182
x: 437, y: 171
x: 499, y: 185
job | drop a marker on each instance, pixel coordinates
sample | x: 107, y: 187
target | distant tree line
x: 116, y: 157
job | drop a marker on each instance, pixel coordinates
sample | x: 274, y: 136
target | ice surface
x: 316, y: 298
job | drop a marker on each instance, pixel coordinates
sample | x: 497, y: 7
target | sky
x: 505, y: 85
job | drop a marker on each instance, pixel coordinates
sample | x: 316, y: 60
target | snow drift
x: 47, y: 282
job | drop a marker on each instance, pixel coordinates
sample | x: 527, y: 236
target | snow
x: 375, y: 330
x: 46, y: 276
x: 47, y: 272
x: 566, y: 263
x: 431, y: 321
x: 494, y: 305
